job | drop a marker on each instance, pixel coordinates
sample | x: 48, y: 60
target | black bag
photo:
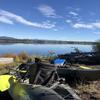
x: 42, y: 73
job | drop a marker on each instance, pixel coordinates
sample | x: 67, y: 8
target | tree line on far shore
x: 39, y: 41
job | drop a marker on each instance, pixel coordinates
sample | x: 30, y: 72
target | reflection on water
x: 42, y: 49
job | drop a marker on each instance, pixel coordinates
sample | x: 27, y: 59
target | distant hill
x: 6, y: 37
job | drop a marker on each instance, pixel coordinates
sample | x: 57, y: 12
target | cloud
x: 69, y: 21
x: 74, y: 16
x: 5, y: 20
x: 48, y: 11
x: 81, y: 25
x: 77, y: 9
x: 98, y: 33
x: 73, y: 8
x: 95, y: 25
x: 73, y: 13
x: 10, y: 18
x: 56, y: 30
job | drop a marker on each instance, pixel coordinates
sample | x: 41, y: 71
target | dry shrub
x: 17, y: 59
x: 8, y: 55
x: 23, y: 56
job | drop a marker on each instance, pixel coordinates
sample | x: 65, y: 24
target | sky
x: 75, y: 20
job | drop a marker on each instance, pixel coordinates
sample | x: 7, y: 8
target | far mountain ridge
x: 6, y: 37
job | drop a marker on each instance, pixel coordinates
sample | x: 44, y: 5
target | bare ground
x: 90, y: 91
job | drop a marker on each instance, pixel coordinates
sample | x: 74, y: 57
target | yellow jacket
x: 5, y: 82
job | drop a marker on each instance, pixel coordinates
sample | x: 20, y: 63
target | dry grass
x: 18, y: 59
x: 89, y: 91
x: 2, y: 65
x: 4, y: 68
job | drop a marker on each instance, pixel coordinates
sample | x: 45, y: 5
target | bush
x: 96, y: 48
x: 29, y: 60
x: 17, y: 59
x: 23, y: 56
x: 8, y: 55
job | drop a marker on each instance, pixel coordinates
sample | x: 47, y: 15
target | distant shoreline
x: 9, y: 40
x: 28, y: 41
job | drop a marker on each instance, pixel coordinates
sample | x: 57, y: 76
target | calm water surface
x: 41, y: 49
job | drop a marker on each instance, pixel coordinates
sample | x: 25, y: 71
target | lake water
x: 42, y: 49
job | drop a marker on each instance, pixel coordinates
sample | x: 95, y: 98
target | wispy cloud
x: 81, y: 25
x: 73, y: 8
x: 10, y: 18
x: 97, y: 33
x: 69, y: 21
x: 94, y: 25
x: 56, y: 30
x: 73, y: 13
x: 48, y: 11
x: 3, y: 19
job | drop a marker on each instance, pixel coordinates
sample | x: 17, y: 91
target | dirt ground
x: 89, y: 91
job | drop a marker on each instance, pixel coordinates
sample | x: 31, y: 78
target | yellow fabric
x: 22, y: 71
x: 4, y: 82
x: 85, y: 67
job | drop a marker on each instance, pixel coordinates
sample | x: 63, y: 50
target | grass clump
x: 90, y: 91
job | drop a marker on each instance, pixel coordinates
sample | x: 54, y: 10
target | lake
x: 42, y: 49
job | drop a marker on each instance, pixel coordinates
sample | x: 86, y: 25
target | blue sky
x: 51, y: 19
